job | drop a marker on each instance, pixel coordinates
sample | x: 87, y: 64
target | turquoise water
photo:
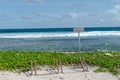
x: 58, y: 29
x: 60, y: 39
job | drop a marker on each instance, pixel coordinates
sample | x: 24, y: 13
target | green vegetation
x: 14, y: 60
x: 107, y: 60
x: 101, y: 69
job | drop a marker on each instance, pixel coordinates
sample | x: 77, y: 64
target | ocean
x: 60, y: 39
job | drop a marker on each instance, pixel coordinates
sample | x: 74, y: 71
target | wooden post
x: 35, y: 63
x: 82, y: 64
x: 31, y: 67
x: 85, y: 65
x: 59, y: 66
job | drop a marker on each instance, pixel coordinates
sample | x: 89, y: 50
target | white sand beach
x: 68, y: 74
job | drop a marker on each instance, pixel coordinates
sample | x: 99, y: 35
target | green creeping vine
x: 20, y: 60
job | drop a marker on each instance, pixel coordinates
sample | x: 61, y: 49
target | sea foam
x: 58, y: 34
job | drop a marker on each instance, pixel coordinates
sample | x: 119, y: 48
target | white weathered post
x: 81, y: 61
x: 78, y: 30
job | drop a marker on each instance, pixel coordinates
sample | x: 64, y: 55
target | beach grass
x: 14, y: 60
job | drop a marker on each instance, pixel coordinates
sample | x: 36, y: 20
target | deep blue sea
x: 60, y: 39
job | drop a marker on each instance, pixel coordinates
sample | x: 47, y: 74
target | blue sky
x: 59, y: 13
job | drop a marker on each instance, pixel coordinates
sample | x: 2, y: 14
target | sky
x: 59, y: 13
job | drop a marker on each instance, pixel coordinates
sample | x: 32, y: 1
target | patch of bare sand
x: 69, y: 73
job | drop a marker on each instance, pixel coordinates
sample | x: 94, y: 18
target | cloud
x: 32, y: 1
x: 57, y: 18
x: 77, y: 5
x: 26, y: 17
x: 101, y: 20
x: 116, y: 0
x: 79, y: 18
x: 62, y: 17
x: 50, y: 16
x: 115, y: 12
x: 73, y: 15
x: 3, y: 17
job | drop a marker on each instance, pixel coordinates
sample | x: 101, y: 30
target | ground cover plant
x: 105, y: 60
x: 13, y: 60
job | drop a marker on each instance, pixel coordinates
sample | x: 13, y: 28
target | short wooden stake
x: 59, y: 66
x: 31, y: 67
x: 83, y: 64
x: 35, y: 63
x: 80, y: 63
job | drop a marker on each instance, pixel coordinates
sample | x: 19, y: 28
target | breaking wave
x: 58, y: 34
